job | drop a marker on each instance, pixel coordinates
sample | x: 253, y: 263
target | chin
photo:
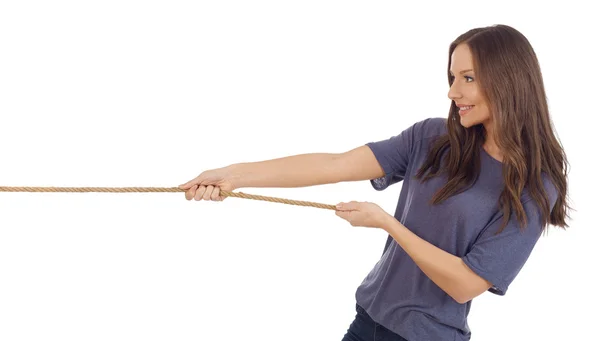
x: 469, y: 120
x: 466, y: 122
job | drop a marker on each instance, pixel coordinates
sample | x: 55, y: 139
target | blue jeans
x: 363, y: 328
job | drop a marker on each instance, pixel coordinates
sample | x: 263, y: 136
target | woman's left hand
x: 365, y: 214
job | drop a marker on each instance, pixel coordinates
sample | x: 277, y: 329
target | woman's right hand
x: 208, y: 185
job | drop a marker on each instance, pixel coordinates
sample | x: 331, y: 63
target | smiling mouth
x: 465, y: 109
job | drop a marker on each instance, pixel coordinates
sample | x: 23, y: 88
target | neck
x: 490, y: 145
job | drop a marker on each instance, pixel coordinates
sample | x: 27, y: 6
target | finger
x: 346, y: 215
x: 189, y: 194
x: 351, y: 206
x: 342, y: 214
x: 215, y: 194
x: 189, y: 184
x: 350, y: 217
x: 346, y: 206
x: 199, y: 193
x: 208, y: 192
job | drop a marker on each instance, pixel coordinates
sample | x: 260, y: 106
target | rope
x: 162, y: 189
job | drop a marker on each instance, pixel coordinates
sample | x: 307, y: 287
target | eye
x: 467, y: 78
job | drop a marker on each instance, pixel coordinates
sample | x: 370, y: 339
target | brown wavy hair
x: 511, y: 82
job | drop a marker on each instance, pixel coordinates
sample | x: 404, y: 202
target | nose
x: 454, y: 92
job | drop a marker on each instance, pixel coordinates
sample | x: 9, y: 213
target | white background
x: 151, y: 93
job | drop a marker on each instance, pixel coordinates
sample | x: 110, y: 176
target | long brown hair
x: 511, y: 82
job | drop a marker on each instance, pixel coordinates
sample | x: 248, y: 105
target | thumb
x: 346, y: 206
x: 190, y: 183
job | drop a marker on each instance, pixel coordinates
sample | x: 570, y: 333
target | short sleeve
x: 394, y: 154
x: 499, y: 257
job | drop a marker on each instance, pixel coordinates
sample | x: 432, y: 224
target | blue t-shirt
x: 396, y: 293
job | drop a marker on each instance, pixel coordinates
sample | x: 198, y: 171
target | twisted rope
x: 162, y: 189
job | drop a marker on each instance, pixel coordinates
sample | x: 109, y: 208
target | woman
x: 478, y: 190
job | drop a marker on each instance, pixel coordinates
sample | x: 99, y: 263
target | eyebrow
x: 463, y: 71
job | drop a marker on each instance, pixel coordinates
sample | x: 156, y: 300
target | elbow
x: 466, y: 292
x: 470, y: 286
x: 461, y: 297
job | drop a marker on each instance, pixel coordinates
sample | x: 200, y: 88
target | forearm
x: 446, y: 270
x: 292, y: 171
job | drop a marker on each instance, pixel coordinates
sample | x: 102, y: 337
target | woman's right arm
x: 308, y: 169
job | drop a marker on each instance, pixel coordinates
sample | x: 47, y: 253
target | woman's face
x: 465, y: 92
